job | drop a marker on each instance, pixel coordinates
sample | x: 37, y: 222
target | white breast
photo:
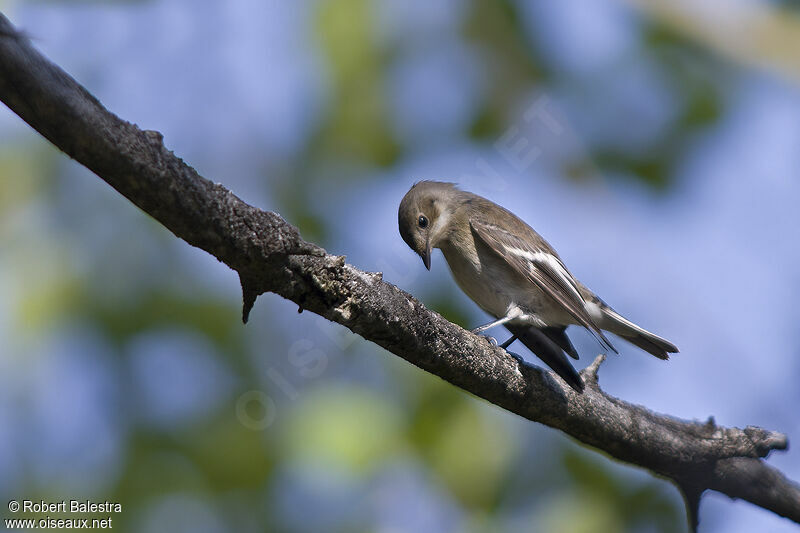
x: 491, y: 283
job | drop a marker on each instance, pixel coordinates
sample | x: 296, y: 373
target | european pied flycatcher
x: 513, y: 274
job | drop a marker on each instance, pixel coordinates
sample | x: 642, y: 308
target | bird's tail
x: 649, y: 342
x: 549, y: 352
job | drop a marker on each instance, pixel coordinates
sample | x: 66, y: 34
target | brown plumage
x: 513, y: 274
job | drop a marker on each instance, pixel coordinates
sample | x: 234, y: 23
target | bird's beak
x: 426, y: 258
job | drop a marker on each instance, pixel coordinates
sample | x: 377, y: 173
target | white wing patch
x: 595, y: 311
x: 555, y: 266
x: 541, y: 268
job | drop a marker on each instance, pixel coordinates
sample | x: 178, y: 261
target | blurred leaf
x: 472, y: 451
x: 437, y: 402
x: 358, y: 124
x: 24, y: 172
x: 230, y: 455
x: 46, y: 287
x: 590, y: 475
x: 217, y: 457
x: 218, y: 320
x: 704, y: 107
x: 299, y: 211
x: 87, y: 2
x: 47, y: 300
x: 444, y: 303
x: 632, y: 504
x: 156, y: 465
x: 572, y: 513
x: 693, y: 72
x: 511, y: 60
x: 760, y: 34
x: 352, y: 428
x: 655, y: 170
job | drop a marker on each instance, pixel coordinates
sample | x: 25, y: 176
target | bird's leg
x: 489, y: 338
x: 498, y: 322
x: 506, y: 344
x: 513, y: 313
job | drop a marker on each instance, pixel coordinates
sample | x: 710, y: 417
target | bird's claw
x: 491, y: 340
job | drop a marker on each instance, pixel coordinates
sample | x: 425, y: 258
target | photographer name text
x: 70, y: 506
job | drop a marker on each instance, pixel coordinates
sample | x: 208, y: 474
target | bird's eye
x: 422, y: 221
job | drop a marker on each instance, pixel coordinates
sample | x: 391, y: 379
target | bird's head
x: 424, y: 214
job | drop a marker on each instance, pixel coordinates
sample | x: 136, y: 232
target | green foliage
x: 348, y: 428
x: 157, y: 308
x: 449, y: 305
x: 512, y: 64
x: 622, y: 505
x: 357, y: 126
x: 472, y: 452
x: 693, y: 73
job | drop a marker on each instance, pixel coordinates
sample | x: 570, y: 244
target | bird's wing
x: 543, y: 268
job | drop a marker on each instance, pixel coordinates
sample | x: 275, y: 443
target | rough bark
x: 270, y: 256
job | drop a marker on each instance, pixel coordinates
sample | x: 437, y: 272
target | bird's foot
x: 491, y: 340
x: 494, y: 342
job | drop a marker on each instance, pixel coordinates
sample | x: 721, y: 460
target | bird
x: 514, y: 275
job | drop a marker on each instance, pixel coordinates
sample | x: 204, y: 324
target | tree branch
x: 270, y: 256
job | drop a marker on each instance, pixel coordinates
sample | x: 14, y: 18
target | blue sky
x: 239, y: 87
